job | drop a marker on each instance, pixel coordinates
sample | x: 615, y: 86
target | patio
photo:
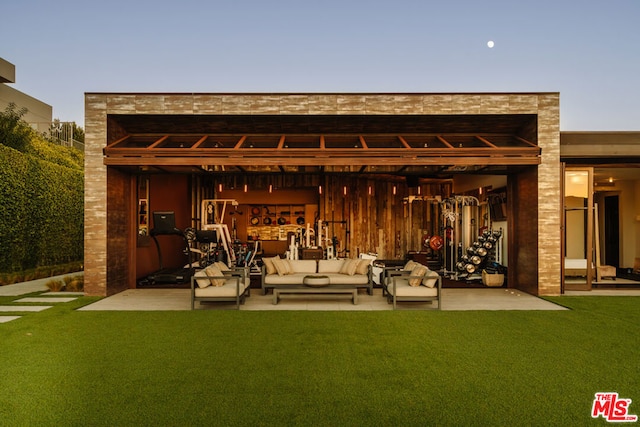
x: 452, y: 300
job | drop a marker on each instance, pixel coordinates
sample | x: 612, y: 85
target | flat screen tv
x: 164, y: 223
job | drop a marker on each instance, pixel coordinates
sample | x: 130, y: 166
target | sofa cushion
x: 229, y: 289
x: 307, y: 266
x: 287, y: 279
x: 349, y: 266
x: 330, y: 265
x: 403, y: 289
x: 418, y: 270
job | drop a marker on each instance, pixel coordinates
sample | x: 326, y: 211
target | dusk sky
x: 588, y: 51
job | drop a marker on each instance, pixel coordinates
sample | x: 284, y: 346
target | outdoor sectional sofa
x: 218, y: 282
x: 283, y: 273
x: 411, y: 282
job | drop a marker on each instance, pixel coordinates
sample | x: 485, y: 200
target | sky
x: 588, y: 51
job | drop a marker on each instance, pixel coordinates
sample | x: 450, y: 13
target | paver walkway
x: 29, y: 287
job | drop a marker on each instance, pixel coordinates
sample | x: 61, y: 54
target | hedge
x: 41, y: 214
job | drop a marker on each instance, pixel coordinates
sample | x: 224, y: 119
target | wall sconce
x: 246, y: 188
x: 395, y: 190
x: 344, y: 190
x: 319, y: 189
x: 219, y: 188
x: 370, y: 191
x: 419, y: 190
x: 270, y: 188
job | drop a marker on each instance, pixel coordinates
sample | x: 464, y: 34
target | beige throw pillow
x: 349, y: 266
x: 280, y: 266
x: 268, y: 263
x: 214, y: 271
x: 417, y: 271
x: 222, y: 266
x: 410, y: 265
x: 363, y: 266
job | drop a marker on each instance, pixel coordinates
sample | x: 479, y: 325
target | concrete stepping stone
x: 13, y: 308
x: 5, y: 319
x: 45, y: 299
x: 62, y: 294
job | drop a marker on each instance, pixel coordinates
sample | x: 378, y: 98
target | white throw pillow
x: 431, y: 279
x: 201, y: 279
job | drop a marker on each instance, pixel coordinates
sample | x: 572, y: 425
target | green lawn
x: 65, y: 367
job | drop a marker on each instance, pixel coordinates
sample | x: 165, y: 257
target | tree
x: 15, y: 132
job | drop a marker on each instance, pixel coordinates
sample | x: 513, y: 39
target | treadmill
x: 164, y: 224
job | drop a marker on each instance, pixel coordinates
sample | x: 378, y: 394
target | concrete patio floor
x: 452, y: 300
x: 458, y: 299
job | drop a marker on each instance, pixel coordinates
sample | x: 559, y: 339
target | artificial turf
x: 67, y: 367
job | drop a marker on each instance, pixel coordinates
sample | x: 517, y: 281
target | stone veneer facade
x: 544, y: 105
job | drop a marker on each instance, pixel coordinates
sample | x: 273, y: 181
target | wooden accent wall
x: 522, y: 199
x: 376, y: 219
x: 119, y: 226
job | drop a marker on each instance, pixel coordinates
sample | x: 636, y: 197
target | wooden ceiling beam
x: 486, y: 142
x: 199, y: 142
x: 158, y: 142
x: 444, y: 141
x: 314, y: 161
x: 404, y: 143
x: 240, y: 142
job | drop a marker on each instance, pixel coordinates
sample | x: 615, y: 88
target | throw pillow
x: 349, y: 266
x: 201, y: 279
x: 363, y: 266
x: 268, y: 263
x: 222, y: 266
x: 417, y: 271
x: 214, y: 271
x: 280, y: 266
x: 431, y: 279
x: 410, y: 265
x: 287, y: 266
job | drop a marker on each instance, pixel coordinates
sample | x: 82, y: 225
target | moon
x: 490, y: 44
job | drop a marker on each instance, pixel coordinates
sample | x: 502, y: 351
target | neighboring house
x: 39, y: 115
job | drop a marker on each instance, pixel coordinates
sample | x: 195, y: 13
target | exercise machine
x: 164, y: 224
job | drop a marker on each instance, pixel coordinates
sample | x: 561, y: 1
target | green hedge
x: 41, y: 214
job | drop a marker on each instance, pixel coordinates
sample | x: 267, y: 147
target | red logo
x: 613, y: 409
